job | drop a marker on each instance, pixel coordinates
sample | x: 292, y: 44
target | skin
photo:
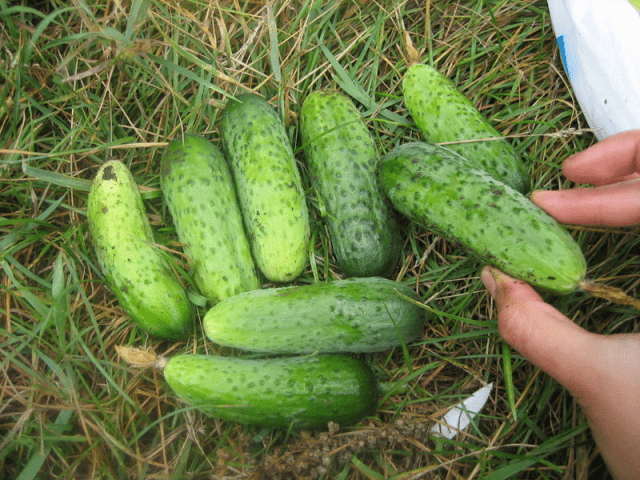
x: 602, y: 372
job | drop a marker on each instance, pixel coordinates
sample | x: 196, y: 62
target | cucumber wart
x: 134, y: 267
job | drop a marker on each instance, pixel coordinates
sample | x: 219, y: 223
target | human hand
x: 602, y: 372
x: 613, y: 166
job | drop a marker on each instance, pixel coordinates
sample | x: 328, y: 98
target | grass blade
x: 508, y: 379
x: 56, y: 178
x: 274, y: 50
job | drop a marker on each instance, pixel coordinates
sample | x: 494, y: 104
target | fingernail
x: 488, y: 278
x: 536, y: 195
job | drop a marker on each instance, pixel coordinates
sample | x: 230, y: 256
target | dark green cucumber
x: 353, y: 315
x: 303, y: 392
x: 342, y: 158
x: 269, y: 187
x: 444, y: 114
x: 133, y: 265
x: 199, y: 191
x: 441, y: 190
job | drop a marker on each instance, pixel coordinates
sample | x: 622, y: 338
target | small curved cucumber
x: 269, y: 187
x: 352, y: 315
x: 342, y: 158
x: 305, y: 392
x: 444, y: 114
x: 199, y: 191
x: 441, y: 190
x: 134, y: 267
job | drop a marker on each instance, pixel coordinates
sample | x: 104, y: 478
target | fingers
x: 609, y: 161
x: 541, y: 333
x: 614, y: 205
x: 613, y: 165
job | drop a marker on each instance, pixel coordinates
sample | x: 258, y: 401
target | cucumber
x: 134, y: 267
x: 444, y: 114
x: 342, y: 158
x: 352, y: 315
x: 269, y: 187
x: 199, y: 191
x: 442, y: 191
x: 303, y: 392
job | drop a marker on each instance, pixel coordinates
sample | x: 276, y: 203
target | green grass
x: 83, y: 82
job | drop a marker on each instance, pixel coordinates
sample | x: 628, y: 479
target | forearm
x: 615, y: 437
x: 614, y: 412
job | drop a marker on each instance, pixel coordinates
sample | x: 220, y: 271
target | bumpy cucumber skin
x: 342, y: 158
x: 306, y: 392
x: 135, y: 269
x: 441, y: 190
x: 269, y: 186
x: 444, y: 114
x: 199, y: 191
x: 351, y: 315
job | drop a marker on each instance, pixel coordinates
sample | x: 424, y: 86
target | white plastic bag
x: 600, y: 45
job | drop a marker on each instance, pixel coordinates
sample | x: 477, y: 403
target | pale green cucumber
x: 269, y: 186
x: 442, y: 191
x: 199, y: 191
x: 352, y: 315
x: 133, y: 265
x: 302, y: 392
x: 342, y: 157
x: 444, y: 114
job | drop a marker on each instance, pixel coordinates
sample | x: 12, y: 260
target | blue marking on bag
x: 563, y: 53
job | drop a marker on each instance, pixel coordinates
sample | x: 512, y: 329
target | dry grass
x: 82, y: 83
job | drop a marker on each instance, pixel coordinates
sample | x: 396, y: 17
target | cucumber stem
x: 612, y: 294
x: 160, y: 363
x: 139, y: 358
x: 413, y: 56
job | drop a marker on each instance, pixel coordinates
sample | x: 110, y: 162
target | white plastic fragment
x: 460, y: 416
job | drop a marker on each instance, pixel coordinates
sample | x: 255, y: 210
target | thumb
x: 541, y: 333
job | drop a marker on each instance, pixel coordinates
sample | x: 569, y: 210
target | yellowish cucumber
x: 269, y: 186
x: 199, y: 191
x: 134, y: 266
